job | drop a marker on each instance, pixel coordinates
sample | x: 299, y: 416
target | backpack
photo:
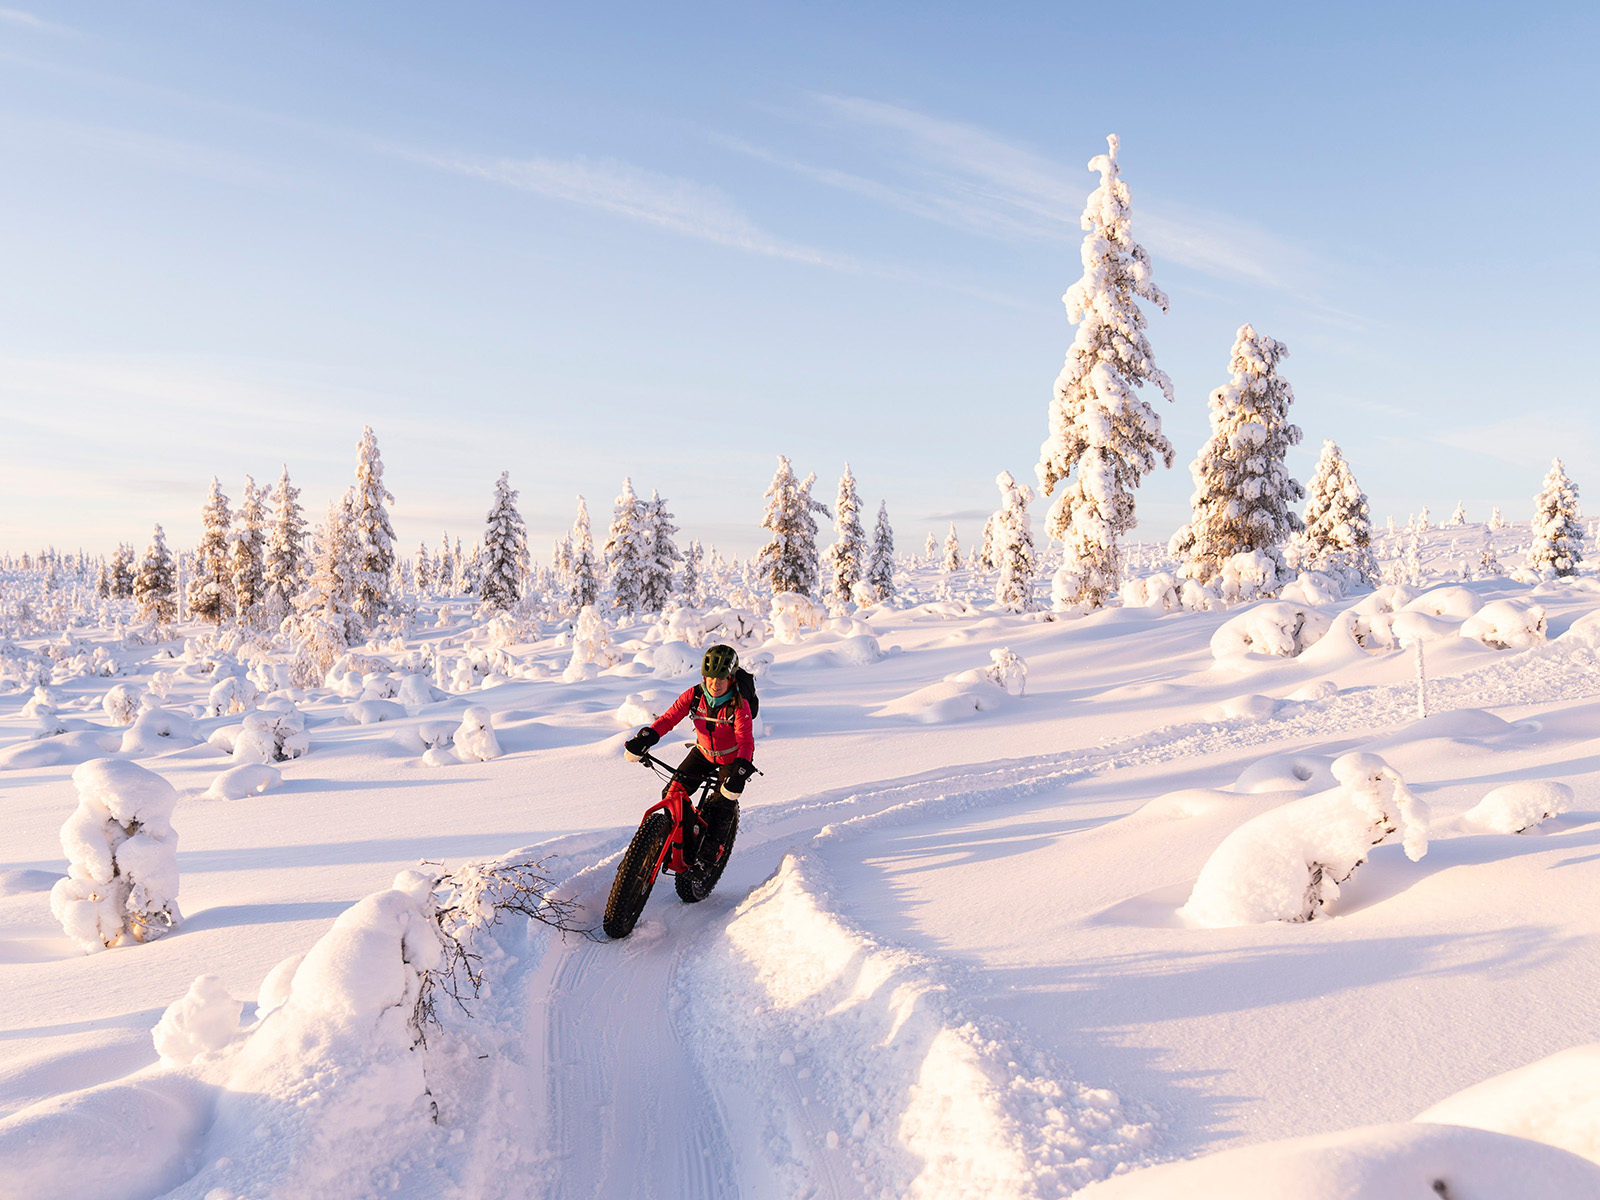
x: 745, y: 684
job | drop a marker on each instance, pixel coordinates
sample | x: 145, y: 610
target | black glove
x: 738, y: 772
x: 635, y: 746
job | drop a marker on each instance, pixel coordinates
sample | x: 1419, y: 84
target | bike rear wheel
x: 636, y: 875
x: 695, y: 885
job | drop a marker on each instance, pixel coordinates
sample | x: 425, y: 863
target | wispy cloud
x: 1528, y: 441
x: 668, y: 202
x: 963, y: 175
x: 16, y: 16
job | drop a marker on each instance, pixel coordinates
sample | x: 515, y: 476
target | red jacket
x: 721, y: 734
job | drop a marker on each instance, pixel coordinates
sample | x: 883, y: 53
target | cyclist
x: 724, y: 744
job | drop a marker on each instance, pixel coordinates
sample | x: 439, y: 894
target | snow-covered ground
x: 954, y: 953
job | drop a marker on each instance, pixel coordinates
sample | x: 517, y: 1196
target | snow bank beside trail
x: 860, y: 1062
x: 1404, y: 1161
x: 1287, y: 863
x: 1555, y: 1101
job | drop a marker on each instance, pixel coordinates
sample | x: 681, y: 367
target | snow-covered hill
x: 948, y: 958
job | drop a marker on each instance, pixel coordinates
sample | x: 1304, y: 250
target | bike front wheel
x: 636, y: 875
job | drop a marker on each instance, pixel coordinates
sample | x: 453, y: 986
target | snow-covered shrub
x: 670, y: 659
x: 371, y: 712
x: 1008, y: 669
x: 271, y: 735
x: 122, y: 857
x: 737, y: 627
x: 1453, y: 601
x: 1518, y: 807
x: 1314, y: 587
x: 121, y: 704
x: 204, y: 1021
x: 475, y: 740
x: 233, y: 694
x: 1250, y: 575
x: 1160, y: 590
x: 157, y: 730
x: 249, y: 779
x: 42, y: 699
x: 592, y: 650
x: 1276, y: 627
x: 635, y: 711
x: 791, y: 613
x: 1506, y: 624
x: 416, y: 691
x: 858, y: 650
x: 1287, y: 863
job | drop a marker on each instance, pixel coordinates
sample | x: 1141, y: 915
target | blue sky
x: 580, y: 242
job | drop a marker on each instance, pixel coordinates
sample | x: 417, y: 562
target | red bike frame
x: 673, y: 860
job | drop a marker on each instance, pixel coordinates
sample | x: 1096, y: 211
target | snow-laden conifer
x: 1103, y: 438
x: 584, y: 583
x: 1013, y: 545
x: 662, y: 557
x: 627, y: 549
x: 879, y: 578
x: 371, y: 532
x: 789, y: 560
x: 1459, y: 515
x: 155, y: 584
x: 247, y: 556
x: 845, y: 559
x: 1496, y: 521
x: 505, y: 548
x: 691, y: 578
x: 1243, y: 491
x: 930, y: 548
x: 1557, y: 525
x: 211, y: 586
x: 951, y: 563
x: 423, y: 570
x: 283, y: 568
x: 1338, y: 528
x: 121, y: 571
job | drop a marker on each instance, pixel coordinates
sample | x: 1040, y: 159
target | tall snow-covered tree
x: 1013, y: 545
x: 371, y: 532
x: 789, y: 560
x: 951, y: 563
x: 1103, y: 437
x: 330, y: 590
x: 284, y: 566
x: 247, y: 555
x: 584, y: 584
x: 1243, y: 490
x: 155, y: 585
x: 1496, y: 521
x: 930, y: 548
x: 845, y: 559
x: 627, y: 549
x: 1338, y: 528
x: 691, y: 578
x: 1557, y: 525
x: 505, y: 548
x: 423, y: 571
x: 211, y: 587
x: 879, y: 578
x: 1459, y: 515
x: 122, y: 571
x: 661, y: 563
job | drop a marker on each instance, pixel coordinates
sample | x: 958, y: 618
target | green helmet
x: 720, y: 662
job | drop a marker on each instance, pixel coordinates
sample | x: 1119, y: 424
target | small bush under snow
x: 271, y: 735
x: 1516, y: 807
x: 1507, y: 624
x: 158, y: 730
x: 250, y: 779
x: 204, y: 1021
x: 121, y: 704
x: 1287, y: 863
x: 122, y: 856
x: 1276, y: 627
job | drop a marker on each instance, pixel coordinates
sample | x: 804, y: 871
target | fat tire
x: 695, y: 886
x: 636, y: 874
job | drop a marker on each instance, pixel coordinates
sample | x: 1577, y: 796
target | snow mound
x: 271, y: 735
x: 63, y: 750
x: 1275, y: 627
x: 122, y: 856
x: 203, y: 1022
x: 157, y: 730
x: 1555, y: 1101
x: 475, y: 740
x: 1312, y: 693
x: 22, y: 881
x: 1287, y: 863
x: 981, y: 689
x: 670, y: 659
x: 1287, y: 773
x: 1454, y: 601
x: 930, y: 1103
x: 1517, y: 807
x: 635, y: 711
x: 1403, y: 1161
x: 251, y: 779
x: 371, y: 712
x: 416, y: 692
x: 1250, y: 707
x: 1507, y: 624
x: 233, y: 694
x: 121, y: 704
x: 859, y: 650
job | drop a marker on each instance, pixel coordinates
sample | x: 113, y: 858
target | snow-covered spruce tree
x: 789, y: 560
x: 655, y: 587
x: 422, y: 571
x: 505, y: 548
x: 1243, y: 491
x: 371, y: 532
x: 122, y: 571
x: 690, y: 579
x: 1557, y: 525
x: 1496, y: 521
x: 284, y: 566
x: 247, y: 556
x: 951, y: 564
x: 845, y: 558
x: 1459, y: 516
x: 1338, y: 529
x: 627, y: 549
x: 1013, y: 548
x: 211, y: 586
x: 584, y: 584
x: 879, y: 580
x: 155, y: 586
x: 1103, y: 438
x: 324, y: 620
